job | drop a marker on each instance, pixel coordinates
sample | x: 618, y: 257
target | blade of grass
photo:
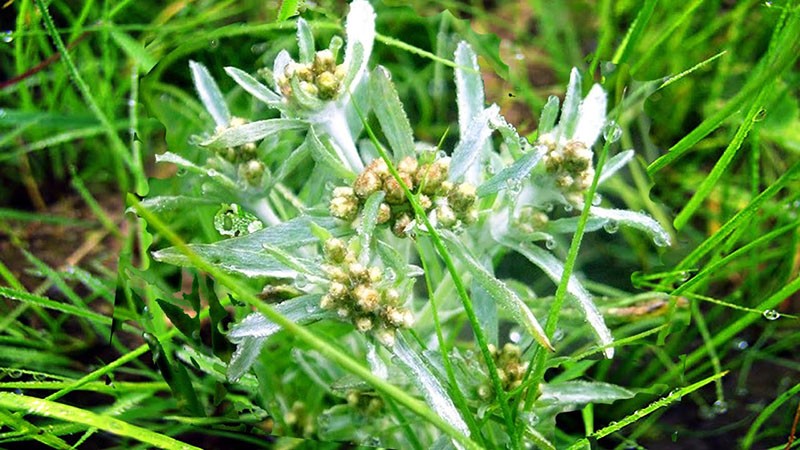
x: 37, y: 406
x: 730, y: 152
x: 674, y: 396
x: 117, y: 145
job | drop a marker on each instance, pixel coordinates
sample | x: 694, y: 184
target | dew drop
x: 568, y: 207
x: 768, y: 4
x: 741, y: 345
x: 660, y: 241
x: 311, y: 307
x: 719, y: 407
x: 482, y: 411
x: 7, y: 36
x: 519, y: 56
x: 441, y: 154
x: 612, y: 131
x: 741, y: 392
x: 550, y: 243
x: 213, y: 44
x: 558, y: 335
x: 301, y: 281
x: 514, y: 336
x: 389, y: 275
x: 212, y: 172
x: 760, y: 115
x: 611, y: 226
x: 674, y: 436
x: 596, y: 199
x: 181, y: 172
x: 469, y: 354
x: 548, y: 207
x: 514, y: 185
x: 771, y: 314
x: 14, y: 373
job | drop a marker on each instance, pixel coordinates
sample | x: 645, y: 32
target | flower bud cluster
x: 299, y: 421
x: 249, y: 167
x: 531, y: 219
x: 448, y: 204
x: 571, y: 166
x: 321, y: 79
x: 368, y: 403
x: 510, y: 369
x: 356, y: 293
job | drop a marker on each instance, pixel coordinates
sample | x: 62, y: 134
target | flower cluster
x: 510, y: 368
x: 367, y: 402
x: 249, y: 166
x: 448, y: 204
x: 299, y: 421
x: 570, y: 164
x: 321, y: 79
x: 355, y: 291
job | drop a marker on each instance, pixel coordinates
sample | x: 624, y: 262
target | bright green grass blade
x: 641, y: 413
x: 635, y: 32
x: 766, y: 413
x: 730, y: 152
x: 39, y: 434
x: 46, y: 408
x: 85, y: 313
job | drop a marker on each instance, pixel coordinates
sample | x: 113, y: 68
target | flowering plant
x: 378, y: 218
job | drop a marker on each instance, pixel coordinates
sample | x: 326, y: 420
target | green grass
x: 705, y: 92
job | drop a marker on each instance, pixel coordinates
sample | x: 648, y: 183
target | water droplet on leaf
x: 612, y: 131
x: 550, y: 243
x: 771, y: 314
x: 611, y: 226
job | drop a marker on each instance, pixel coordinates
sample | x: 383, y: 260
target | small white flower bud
x: 385, y: 336
x: 366, y: 298
x: 367, y: 183
x: 363, y: 324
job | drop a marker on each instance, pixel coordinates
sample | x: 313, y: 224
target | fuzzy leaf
x: 615, y: 163
x: 252, y: 132
x: 210, y: 94
x: 246, y: 254
x: 192, y: 167
x: 572, y: 101
x: 578, y: 392
x: 500, y: 292
x: 167, y: 203
x: 213, y: 367
x: 553, y: 268
x: 253, y: 86
x: 305, y: 41
x: 303, y: 309
x: 469, y: 86
x: 513, y: 174
x: 360, y: 36
x: 244, y: 357
x: 326, y: 156
x: 369, y: 220
x: 389, y: 111
x: 433, y: 391
x: 467, y: 154
x: 636, y: 220
x: 547, y: 120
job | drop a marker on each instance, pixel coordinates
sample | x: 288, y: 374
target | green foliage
x: 704, y: 111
